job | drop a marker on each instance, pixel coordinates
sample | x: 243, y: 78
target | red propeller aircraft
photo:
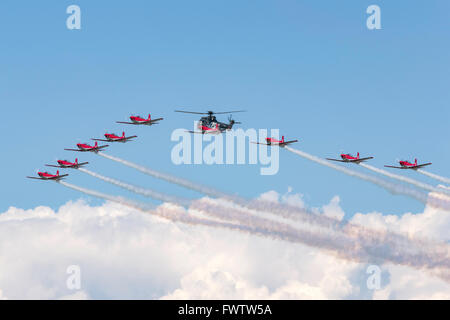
x: 83, y: 147
x: 407, y: 165
x: 139, y: 120
x: 48, y: 176
x: 275, y: 142
x: 111, y: 137
x: 349, y: 158
x: 68, y: 164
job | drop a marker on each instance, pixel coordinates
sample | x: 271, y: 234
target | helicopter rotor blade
x: 191, y: 112
x: 229, y: 112
x: 209, y: 112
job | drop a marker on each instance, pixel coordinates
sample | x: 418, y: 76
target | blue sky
x: 310, y: 68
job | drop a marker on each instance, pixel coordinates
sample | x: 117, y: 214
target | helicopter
x: 210, y: 125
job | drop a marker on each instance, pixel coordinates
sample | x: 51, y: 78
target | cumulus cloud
x: 210, y: 282
x: 432, y: 223
x: 333, y: 209
x: 290, y: 198
x: 124, y: 253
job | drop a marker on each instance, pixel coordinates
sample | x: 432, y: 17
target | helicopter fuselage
x: 212, y: 123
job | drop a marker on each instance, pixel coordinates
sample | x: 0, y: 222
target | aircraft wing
x: 35, y: 178
x: 198, y: 132
x: 287, y: 142
x: 82, y: 164
x: 364, y: 159
x: 337, y: 160
x: 360, y: 159
x: 103, y: 140
x: 422, y: 165
x: 100, y: 147
x: 58, y: 177
x: 54, y: 166
x: 398, y: 167
x: 79, y: 150
x: 126, y: 122
x: 265, y: 144
x: 128, y: 138
x: 155, y: 120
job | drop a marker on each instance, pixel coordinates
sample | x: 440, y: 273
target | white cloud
x: 413, y: 284
x: 432, y: 223
x: 293, y: 199
x: 124, y: 253
x: 78, y: 295
x: 333, y: 209
x: 271, y: 196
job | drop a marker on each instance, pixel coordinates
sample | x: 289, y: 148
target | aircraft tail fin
x: 415, y: 162
x: 123, y: 134
x: 96, y: 143
x: 282, y: 138
x: 76, y: 160
x: 357, y: 156
x: 57, y: 172
x: 149, y: 117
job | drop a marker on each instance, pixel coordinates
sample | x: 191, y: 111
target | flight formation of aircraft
x: 84, y: 147
x: 206, y: 125
x: 403, y: 164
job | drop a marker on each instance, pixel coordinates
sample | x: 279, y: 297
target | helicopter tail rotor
x: 231, y: 121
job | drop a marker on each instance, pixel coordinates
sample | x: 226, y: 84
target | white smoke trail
x: 105, y: 196
x: 285, y: 211
x: 145, y: 192
x: 414, y: 182
x: 169, y: 178
x: 257, y: 207
x: 268, y: 229
x: 359, y: 244
x: 314, y: 223
x: 393, y: 188
x: 434, y: 260
x: 170, y: 213
x: 434, y: 176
